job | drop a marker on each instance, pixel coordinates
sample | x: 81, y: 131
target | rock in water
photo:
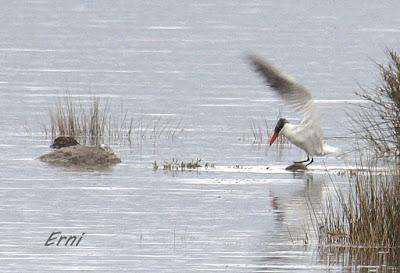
x: 82, y: 156
x: 296, y: 167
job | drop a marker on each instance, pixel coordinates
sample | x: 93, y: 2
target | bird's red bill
x: 273, y: 138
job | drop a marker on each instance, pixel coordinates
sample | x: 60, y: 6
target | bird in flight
x: 307, y: 135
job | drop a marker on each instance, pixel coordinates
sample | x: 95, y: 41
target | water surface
x: 183, y: 62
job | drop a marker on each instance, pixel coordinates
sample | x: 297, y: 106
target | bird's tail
x: 332, y: 150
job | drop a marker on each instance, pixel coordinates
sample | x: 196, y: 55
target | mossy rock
x: 81, y: 156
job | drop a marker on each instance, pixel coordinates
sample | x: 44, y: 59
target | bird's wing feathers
x: 294, y: 94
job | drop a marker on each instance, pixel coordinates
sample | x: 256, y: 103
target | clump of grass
x: 379, y: 120
x: 92, y: 122
x: 367, y: 216
x: 167, y: 128
x: 361, y: 226
x: 120, y: 127
x: 156, y: 129
x: 176, y: 165
x: 89, y: 123
x: 180, y: 165
x: 261, y: 132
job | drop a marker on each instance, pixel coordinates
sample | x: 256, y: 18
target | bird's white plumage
x: 308, y: 134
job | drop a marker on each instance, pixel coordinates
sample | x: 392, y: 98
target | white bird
x: 308, y: 134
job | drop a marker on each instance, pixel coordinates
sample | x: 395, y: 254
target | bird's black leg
x: 312, y: 160
x: 308, y: 158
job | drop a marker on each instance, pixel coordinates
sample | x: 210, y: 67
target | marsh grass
x: 362, y: 222
x: 174, y: 165
x: 367, y: 215
x: 361, y: 259
x: 379, y: 120
x: 359, y: 226
x: 261, y: 132
x: 93, y: 122
x: 89, y: 122
x: 177, y: 165
x: 120, y: 127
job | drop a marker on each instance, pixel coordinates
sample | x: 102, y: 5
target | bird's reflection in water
x: 283, y: 244
x: 277, y: 211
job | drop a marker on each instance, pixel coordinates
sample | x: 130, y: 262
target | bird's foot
x: 296, y: 166
x: 303, y: 161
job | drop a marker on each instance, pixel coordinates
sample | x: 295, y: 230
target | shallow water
x: 184, y: 63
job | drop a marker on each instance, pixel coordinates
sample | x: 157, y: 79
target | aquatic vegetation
x: 180, y: 165
x: 168, y: 128
x: 155, y: 165
x: 90, y: 122
x: 360, y: 226
x: 379, y: 120
x: 261, y: 132
x: 94, y: 123
x: 367, y: 216
x: 175, y: 164
x: 361, y: 259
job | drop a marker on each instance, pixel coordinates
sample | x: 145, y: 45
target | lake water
x: 181, y: 63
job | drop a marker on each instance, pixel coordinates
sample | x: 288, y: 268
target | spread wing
x: 295, y: 95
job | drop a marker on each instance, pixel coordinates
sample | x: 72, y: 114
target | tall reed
x: 94, y: 123
x: 367, y: 215
x: 86, y: 122
x: 379, y: 120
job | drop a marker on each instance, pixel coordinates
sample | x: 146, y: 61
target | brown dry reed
x: 261, y: 132
x: 367, y: 216
x: 92, y: 122
x: 89, y: 122
x: 379, y: 120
